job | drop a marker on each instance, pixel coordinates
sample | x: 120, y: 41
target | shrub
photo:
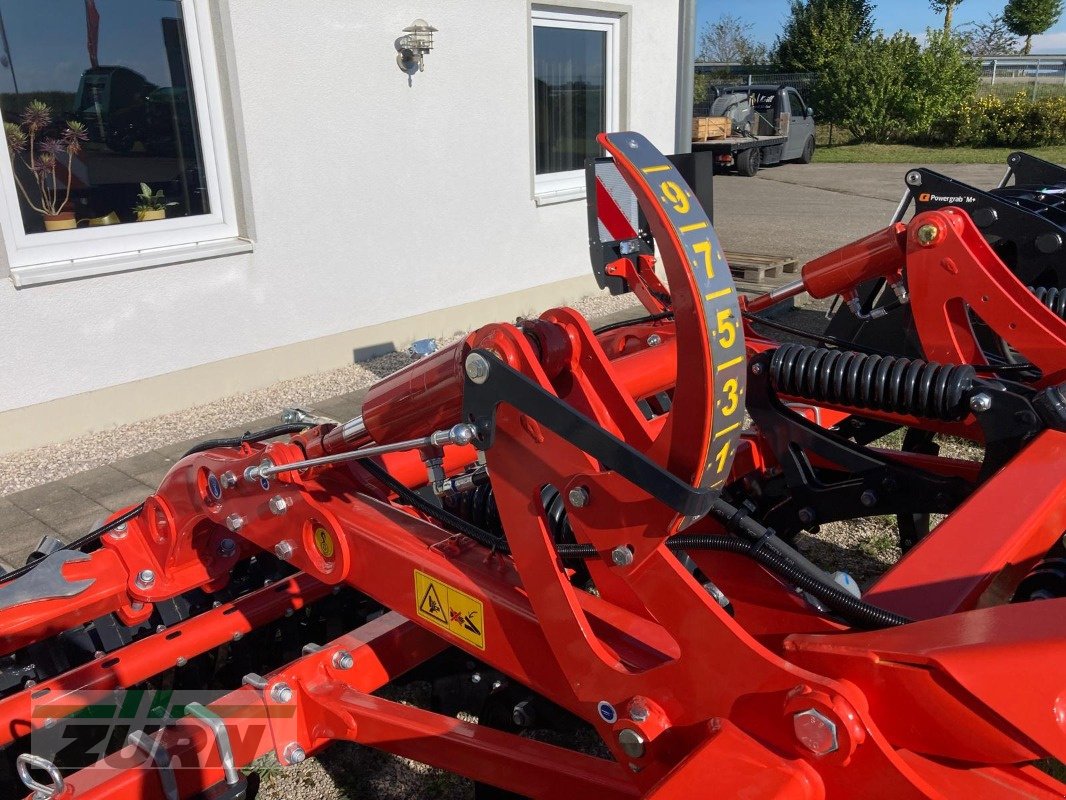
x: 886, y: 89
x: 994, y: 122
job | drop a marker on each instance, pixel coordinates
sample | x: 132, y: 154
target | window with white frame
x: 116, y: 143
x: 575, y: 95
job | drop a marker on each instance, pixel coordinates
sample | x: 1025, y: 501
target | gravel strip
x: 29, y: 468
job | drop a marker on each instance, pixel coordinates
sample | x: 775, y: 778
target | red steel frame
x: 716, y: 694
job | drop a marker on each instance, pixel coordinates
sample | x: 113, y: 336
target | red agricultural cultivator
x: 578, y: 530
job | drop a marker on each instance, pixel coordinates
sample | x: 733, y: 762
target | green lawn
x: 912, y: 154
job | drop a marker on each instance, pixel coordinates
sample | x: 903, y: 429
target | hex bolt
x: 756, y: 369
x: 293, y: 753
x: 227, y: 547
x: 579, y: 497
x: 228, y: 479
x: 807, y: 515
x: 284, y: 549
x: 278, y: 505
x: 342, y: 659
x: 475, y: 678
x: 638, y: 711
x: 119, y: 531
x: 868, y: 498
x: 621, y: 556
x: 234, y: 522
x: 816, y: 732
x: 927, y: 234
x: 145, y: 579
x: 181, y: 661
x: 477, y: 368
x: 631, y: 742
x: 655, y: 340
x: 980, y: 403
x: 523, y: 714
x: 281, y: 693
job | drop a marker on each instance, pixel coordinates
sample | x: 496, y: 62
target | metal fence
x: 739, y: 75
x: 1036, y: 75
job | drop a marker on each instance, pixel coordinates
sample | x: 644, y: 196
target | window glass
x: 798, y: 106
x: 570, y: 85
x: 99, y: 112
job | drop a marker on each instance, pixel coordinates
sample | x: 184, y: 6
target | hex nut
x: 980, y: 403
x: 284, y: 549
x: 293, y: 753
x: 281, y: 693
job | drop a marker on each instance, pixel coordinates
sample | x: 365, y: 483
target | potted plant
x: 49, y: 161
x: 151, y: 206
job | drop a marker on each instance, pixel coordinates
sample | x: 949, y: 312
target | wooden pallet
x: 756, y: 268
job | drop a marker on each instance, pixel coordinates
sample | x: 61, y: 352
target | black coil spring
x: 1053, y: 298
x: 885, y: 383
x: 478, y: 506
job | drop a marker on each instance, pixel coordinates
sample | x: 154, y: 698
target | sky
x: 914, y: 16
x: 48, y: 47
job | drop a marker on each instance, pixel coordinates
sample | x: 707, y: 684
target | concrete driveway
x: 804, y: 210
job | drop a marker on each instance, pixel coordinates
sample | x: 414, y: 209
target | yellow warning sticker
x: 455, y: 611
x: 324, y: 542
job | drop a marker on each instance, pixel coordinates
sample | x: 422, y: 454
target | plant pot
x: 62, y: 221
x: 154, y: 213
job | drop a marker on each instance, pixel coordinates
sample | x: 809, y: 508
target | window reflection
x: 569, y: 73
x: 114, y: 75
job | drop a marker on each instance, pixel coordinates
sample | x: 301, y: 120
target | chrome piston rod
x: 460, y: 434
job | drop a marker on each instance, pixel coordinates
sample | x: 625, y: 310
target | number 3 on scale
x: 731, y: 389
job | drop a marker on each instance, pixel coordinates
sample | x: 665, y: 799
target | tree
x: 989, y: 38
x: 820, y: 36
x: 729, y: 40
x: 1029, y: 18
x: 947, y: 8
x: 817, y: 30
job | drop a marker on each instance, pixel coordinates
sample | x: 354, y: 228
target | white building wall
x: 371, y: 200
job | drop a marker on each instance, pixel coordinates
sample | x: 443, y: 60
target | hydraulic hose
x: 766, y: 549
x: 257, y: 436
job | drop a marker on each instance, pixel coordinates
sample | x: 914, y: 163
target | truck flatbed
x: 737, y: 143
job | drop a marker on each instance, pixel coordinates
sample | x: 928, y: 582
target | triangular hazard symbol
x: 430, y: 605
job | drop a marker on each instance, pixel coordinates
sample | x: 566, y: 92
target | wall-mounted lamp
x: 414, y: 44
